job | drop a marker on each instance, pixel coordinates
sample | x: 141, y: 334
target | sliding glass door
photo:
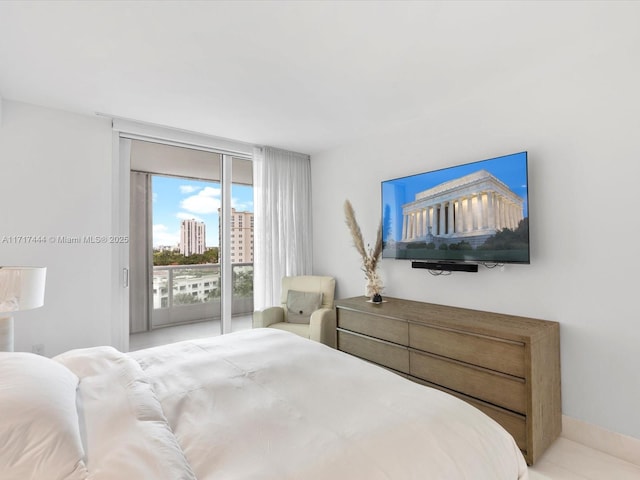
x: 189, y: 241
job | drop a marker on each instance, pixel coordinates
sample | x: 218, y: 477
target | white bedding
x: 265, y: 404
x: 261, y: 404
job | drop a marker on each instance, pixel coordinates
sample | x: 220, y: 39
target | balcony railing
x: 191, y: 293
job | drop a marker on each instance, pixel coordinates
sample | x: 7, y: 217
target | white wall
x: 578, y: 117
x: 56, y: 180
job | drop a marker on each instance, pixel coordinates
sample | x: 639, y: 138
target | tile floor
x: 570, y: 460
x: 565, y: 460
x: 161, y: 336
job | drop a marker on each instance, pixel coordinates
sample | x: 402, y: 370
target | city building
x: 202, y: 284
x: 241, y: 244
x: 192, y: 237
x: 167, y: 248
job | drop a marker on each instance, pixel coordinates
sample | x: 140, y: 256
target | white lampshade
x: 21, y: 288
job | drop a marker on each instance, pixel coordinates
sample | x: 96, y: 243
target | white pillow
x: 39, y: 432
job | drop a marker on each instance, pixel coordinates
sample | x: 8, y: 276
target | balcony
x: 191, y: 293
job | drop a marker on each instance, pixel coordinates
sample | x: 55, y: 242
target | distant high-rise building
x: 192, y: 237
x: 241, y: 237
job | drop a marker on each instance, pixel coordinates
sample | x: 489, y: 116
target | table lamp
x: 21, y: 288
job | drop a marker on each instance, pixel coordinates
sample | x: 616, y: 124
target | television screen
x: 474, y: 213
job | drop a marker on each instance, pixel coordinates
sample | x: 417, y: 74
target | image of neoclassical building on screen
x: 471, y: 208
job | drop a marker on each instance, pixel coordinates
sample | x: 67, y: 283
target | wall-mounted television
x: 475, y: 213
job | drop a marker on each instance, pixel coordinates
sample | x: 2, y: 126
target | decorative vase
x: 370, y: 288
x: 373, y: 287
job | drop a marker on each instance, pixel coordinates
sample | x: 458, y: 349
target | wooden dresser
x: 507, y: 366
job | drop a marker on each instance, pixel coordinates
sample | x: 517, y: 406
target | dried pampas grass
x: 371, y: 257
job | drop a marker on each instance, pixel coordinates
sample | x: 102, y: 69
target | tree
x: 176, y: 258
x: 184, y: 299
x: 507, y: 239
x: 243, y: 283
x: 386, y: 225
x: 213, y: 294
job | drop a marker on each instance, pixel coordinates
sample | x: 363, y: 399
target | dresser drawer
x: 383, y: 353
x: 502, y: 390
x: 492, y: 353
x: 395, y: 331
x: 513, y: 423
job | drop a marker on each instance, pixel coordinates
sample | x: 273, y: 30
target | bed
x: 259, y: 404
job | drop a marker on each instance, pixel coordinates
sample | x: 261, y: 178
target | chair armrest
x: 268, y: 316
x: 322, y: 327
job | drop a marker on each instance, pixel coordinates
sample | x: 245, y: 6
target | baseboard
x: 616, y: 444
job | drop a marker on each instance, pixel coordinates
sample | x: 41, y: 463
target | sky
x: 177, y: 198
x: 510, y: 169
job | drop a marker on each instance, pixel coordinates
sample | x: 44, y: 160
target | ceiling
x: 300, y: 75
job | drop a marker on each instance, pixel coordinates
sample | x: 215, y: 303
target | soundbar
x: 446, y: 267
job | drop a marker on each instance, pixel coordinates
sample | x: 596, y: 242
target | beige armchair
x: 322, y: 322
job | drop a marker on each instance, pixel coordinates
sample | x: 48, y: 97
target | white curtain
x: 282, y: 221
